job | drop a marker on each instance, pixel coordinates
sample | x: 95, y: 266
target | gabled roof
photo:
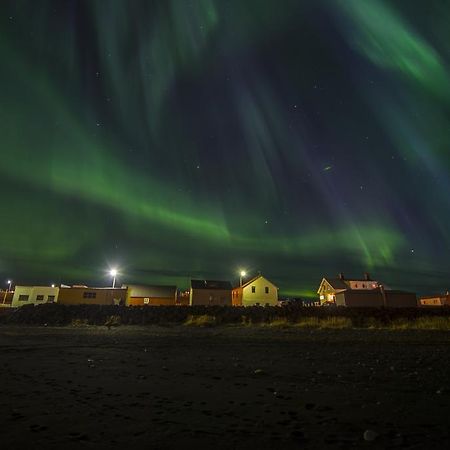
x: 335, y: 283
x: 139, y: 290
x: 253, y: 280
x: 339, y: 283
x: 211, y: 284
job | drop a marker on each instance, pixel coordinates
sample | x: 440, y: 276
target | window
x: 89, y: 294
x: 266, y: 289
x: 51, y: 298
x: 253, y: 289
x: 23, y: 298
x: 364, y: 286
x: 39, y: 298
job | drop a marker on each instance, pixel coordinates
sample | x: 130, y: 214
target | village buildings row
x: 258, y: 291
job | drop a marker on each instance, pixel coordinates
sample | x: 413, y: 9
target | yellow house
x: 259, y: 291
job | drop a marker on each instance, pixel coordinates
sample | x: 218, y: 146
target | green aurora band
x: 115, y: 152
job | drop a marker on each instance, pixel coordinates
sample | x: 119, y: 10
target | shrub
x: 306, y: 317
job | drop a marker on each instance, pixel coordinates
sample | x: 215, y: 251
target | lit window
x: 253, y: 289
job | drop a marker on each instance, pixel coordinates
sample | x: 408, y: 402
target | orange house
x: 83, y: 295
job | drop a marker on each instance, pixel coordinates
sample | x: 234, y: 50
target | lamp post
x: 242, y: 274
x: 113, y: 273
x: 6, y: 293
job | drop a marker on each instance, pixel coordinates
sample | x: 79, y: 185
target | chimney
x: 367, y: 276
x: 341, y: 276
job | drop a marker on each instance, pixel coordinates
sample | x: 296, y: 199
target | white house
x: 330, y: 287
x: 27, y: 295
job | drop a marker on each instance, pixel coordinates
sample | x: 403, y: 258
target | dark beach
x: 223, y: 387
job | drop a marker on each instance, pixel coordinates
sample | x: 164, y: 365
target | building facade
x: 83, y: 295
x: 6, y: 298
x: 329, y: 287
x: 210, y: 292
x: 375, y: 298
x: 139, y: 295
x: 34, y: 295
x: 435, y: 300
x: 259, y: 291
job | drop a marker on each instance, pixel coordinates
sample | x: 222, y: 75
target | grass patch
x: 279, y: 322
x: 422, y: 323
x: 204, y: 320
x: 326, y: 322
x: 113, y: 321
x: 79, y: 323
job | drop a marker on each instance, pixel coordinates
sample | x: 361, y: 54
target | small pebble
x: 370, y: 435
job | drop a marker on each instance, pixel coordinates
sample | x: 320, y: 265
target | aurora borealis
x: 179, y: 139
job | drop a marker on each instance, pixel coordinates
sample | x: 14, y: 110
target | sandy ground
x: 223, y: 388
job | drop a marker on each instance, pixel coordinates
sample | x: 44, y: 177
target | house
x: 435, y: 300
x: 6, y: 298
x: 329, y: 287
x: 210, y: 292
x: 363, y: 292
x: 83, y: 295
x: 183, y: 297
x: 34, y: 295
x: 138, y: 295
x: 258, y: 291
x: 375, y: 298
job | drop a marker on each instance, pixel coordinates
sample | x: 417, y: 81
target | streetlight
x: 53, y: 285
x: 241, y: 275
x: 9, y: 285
x: 113, y: 273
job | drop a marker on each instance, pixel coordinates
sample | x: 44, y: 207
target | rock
x: 297, y: 435
x: 370, y: 435
x: 259, y: 372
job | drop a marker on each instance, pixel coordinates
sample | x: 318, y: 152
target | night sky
x: 177, y: 139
